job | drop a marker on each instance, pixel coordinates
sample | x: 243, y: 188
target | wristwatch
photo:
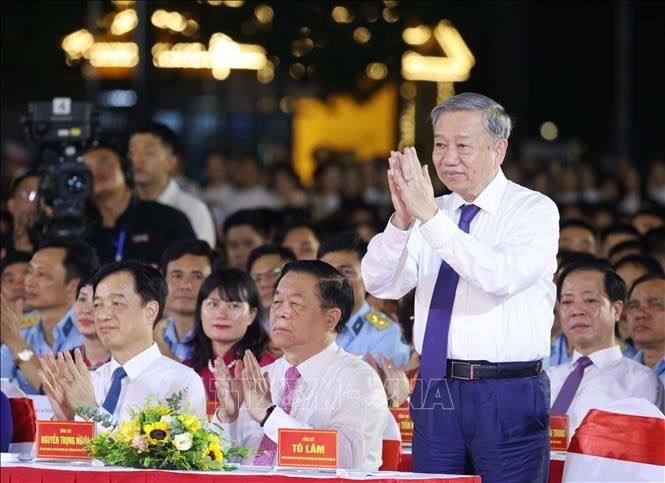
x: 268, y: 413
x: 24, y: 355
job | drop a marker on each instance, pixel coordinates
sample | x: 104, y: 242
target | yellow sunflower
x: 157, y: 433
x: 127, y: 430
x: 214, y: 451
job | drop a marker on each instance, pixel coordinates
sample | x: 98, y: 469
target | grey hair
x: 497, y: 123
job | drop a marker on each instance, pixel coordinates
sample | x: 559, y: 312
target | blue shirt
x: 659, y: 368
x: 181, y: 348
x: 66, y: 338
x: 370, y: 331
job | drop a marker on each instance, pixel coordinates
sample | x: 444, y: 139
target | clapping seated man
x: 129, y: 298
x: 591, y: 297
x: 315, y: 384
x: 53, y: 275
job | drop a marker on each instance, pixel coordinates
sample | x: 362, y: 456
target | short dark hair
x: 619, y: 228
x: 179, y: 248
x: 262, y: 221
x: 333, y: 289
x: 149, y: 283
x: 284, y: 253
x: 85, y: 281
x: 650, y: 264
x: 647, y: 277
x: 347, y: 240
x: 234, y: 286
x: 80, y: 258
x: 292, y: 224
x: 33, y: 173
x: 656, y: 211
x: 623, y: 246
x: 165, y: 134
x: 13, y: 258
x: 577, y: 223
x: 654, y: 241
x: 615, y: 287
x: 125, y: 164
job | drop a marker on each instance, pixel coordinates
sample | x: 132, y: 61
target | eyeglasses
x: 272, y: 273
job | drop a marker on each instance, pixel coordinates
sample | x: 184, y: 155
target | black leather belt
x: 472, y: 370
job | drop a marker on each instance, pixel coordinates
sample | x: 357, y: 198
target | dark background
x: 593, y: 68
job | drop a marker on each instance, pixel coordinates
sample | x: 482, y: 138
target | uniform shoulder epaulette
x: 378, y: 320
x: 162, y: 324
x: 29, y: 319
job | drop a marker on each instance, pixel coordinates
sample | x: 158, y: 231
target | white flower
x: 167, y: 419
x: 183, y: 441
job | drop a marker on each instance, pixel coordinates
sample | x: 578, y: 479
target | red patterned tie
x: 268, y: 448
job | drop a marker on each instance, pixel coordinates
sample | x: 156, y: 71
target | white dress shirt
x: 609, y: 378
x: 338, y: 391
x: 503, y: 309
x: 196, y: 210
x: 149, y: 374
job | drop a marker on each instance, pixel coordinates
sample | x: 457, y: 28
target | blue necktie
x: 570, y: 386
x: 435, y: 344
x: 111, y: 400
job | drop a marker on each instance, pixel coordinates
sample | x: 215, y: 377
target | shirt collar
x: 354, y: 316
x: 171, y: 333
x: 139, y: 363
x: 488, y: 200
x: 602, y: 357
x: 170, y: 192
x: 66, y: 324
x: 314, y: 367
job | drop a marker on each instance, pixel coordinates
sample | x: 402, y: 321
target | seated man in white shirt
x: 591, y: 299
x: 315, y: 384
x: 128, y: 298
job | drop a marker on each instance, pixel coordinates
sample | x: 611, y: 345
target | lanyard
x: 119, y: 244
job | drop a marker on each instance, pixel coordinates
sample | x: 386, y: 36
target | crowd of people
x: 502, y: 302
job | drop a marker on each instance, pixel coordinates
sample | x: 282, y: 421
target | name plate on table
x: 64, y: 439
x: 559, y: 433
x: 211, y: 407
x: 404, y: 422
x: 310, y: 448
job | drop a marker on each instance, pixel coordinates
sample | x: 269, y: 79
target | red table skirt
x: 9, y: 474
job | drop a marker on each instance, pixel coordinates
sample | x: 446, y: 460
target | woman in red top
x: 228, y: 322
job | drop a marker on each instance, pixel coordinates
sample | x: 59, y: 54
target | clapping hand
x: 256, y: 387
x: 394, y: 379
x: 52, y: 382
x: 229, y: 390
x: 411, y: 188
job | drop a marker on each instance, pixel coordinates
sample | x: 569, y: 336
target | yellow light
x: 362, y: 35
x: 407, y: 125
x: 234, y: 3
x: 123, y: 3
x: 408, y: 90
x: 301, y: 46
x: 124, y: 22
x: 264, y: 13
x: 455, y: 67
x: 215, y: 3
x: 297, y: 70
x: 160, y: 18
x: 390, y: 16
x: 390, y: 3
x: 549, y: 131
x: 176, y: 22
x: 444, y: 90
x: 221, y: 73
x: 77, y: 44
x: 377, y: 71
x: 286, y: 104
x: 266, y: 74
x: 191, y: 29
x: 416, y: 35
x: 341, y: 14
x: 114, y: 54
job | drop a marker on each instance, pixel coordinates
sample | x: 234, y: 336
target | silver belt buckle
x: 452, y: 370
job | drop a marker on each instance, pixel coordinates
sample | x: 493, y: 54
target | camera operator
x: 22, y: 204
x: 124, y: 226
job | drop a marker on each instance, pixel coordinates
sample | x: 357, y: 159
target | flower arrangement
x: 159, y: 436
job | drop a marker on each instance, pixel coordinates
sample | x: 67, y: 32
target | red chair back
x: 391, y: 454
x: 24, y: 419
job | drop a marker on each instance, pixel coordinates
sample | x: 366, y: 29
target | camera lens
x: 75, y: 184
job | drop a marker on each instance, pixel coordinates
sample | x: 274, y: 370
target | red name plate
x: 559, y: 433
x: 64, y: 439
x: 405, y: 423
x: 311, y: 448
x: 211, y: 407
